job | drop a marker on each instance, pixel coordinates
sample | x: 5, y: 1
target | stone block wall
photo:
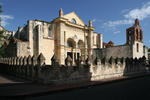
x: 34, y: 68
x: 22, y: 49
x: 116, y: 51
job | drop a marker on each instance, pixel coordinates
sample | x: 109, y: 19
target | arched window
x: 73, y: 21
x: 80, y: 44
x: 71, y: 43
x: 49, y: 33
x: 137, y: 47
x: 137, y: 34
x: 141, y: 35
x: 129, y: 35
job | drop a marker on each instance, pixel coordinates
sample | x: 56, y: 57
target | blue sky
x: 110, y: 17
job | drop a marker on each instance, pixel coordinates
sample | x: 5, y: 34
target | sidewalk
x: 11, y: 88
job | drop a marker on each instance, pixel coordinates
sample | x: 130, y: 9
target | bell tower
x: 134, y: 33
x: 135, y: 39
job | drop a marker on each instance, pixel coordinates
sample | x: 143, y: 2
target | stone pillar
x: 9, y: 61
x: 34, y: 60
x: 17, y: 64
x: 20, y: 65
x: 9, y: 66
x: 14, y: 61
x: 21, y: 61
x: 41, y: 60
x: 90, y: 42
x: 25, y: 61
x: 17, y: 61
x: 29, y: 69
x: 68, y: 61
x: 6, y: 60
x: 60, y: 12
x: 111, y: 60
x: 30, y: 37
x: 54, y: 61
x: 29, y: 60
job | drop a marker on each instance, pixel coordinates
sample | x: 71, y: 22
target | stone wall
x: 34, y: 68
x: 22, y: 49
x: 137, y: 53
x: 116, y: 51
x: 41, y: 38
x: 145, y: 51
x: 11, y: 50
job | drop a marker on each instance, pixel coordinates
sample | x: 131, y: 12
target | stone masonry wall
x: 34, y: 68
x: 116, y: 51
x: 22, y: 49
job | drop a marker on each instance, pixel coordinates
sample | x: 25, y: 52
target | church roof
x: 110, y: 42
x: 73, y: 15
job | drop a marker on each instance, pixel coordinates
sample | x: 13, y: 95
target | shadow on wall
x: 34, y: 69
x: 115, y: 67
x: 135, y: 65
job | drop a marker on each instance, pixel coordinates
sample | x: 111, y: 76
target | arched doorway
x: 71, y: 45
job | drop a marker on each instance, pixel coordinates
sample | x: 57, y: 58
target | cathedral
x: 67, y: 35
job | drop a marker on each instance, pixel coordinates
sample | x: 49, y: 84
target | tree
x: 0, y: 13
x: 149, y: 50
x: 1, y: 8
x: 2, y: 38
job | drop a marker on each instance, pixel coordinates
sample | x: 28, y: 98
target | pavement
x: 14, y: 87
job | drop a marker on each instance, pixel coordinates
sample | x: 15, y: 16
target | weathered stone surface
x: 29, y: 62
x: 34, y: 60
x: 17, y: 61
x: 21, y: 61
x: 25, y: 61
x: 54, y: 61
x: 68, y: 61
x: 111, y: 60
x: 41, y: 59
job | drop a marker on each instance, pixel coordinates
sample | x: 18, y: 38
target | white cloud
x: 94, y: 20
x: 125, y: 10
x: 130, y: 16
x: 118, y: 22
x: 116, y: 32
x: 5, y: 19
x: 141, y: 13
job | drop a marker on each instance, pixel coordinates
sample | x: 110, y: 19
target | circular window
x: 73, y: 20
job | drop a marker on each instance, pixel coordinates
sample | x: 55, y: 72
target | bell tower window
x: 141, y: 36
x: 49, y: 33
x: 136, y: 34
x: 129, y: 35
x: 137, y: 47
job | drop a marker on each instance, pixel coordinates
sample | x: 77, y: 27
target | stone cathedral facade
x: 65, y: 36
